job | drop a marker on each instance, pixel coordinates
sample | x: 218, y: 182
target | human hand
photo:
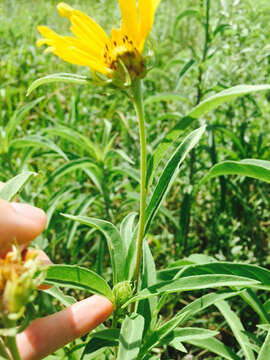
x: 43, y: 336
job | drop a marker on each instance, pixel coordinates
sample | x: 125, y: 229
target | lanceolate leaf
x: 76, y: 277
x: 127, y: 227
x: 258, y: 169
x: 205, y: 106
x: 15, y: 185
x: 37, y: 141
x: 84, y: 164
x: 237, y: 328
x: 157, y: 336
x: 193, y: 283
x: 165, y: 332
x: 247, y: 271
x: 202, y: 303
x: 75, y: 137
x: 60, y: 77
x: 147, y: 307
x: 215, y: 346
x: 57, y: 293
x: 169, y: 173
x: 183, y: 334
x: 116, y: 246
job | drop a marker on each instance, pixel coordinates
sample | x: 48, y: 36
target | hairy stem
x: 138, y: 104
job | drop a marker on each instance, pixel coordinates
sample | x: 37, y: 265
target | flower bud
x: 122, y: 293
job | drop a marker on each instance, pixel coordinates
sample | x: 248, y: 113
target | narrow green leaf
x: 177, y: 345
x: 157, y: 336
x: 84, y: 164
x: 37, y: 142
x: 130, y: 337
x: 147, y: 307
x: 15, y: 185
x: 237, y: 328
x: 127, y: 228
x: 215, y: 346
x: 254, y: 168
x: 107, y: 334
x: 165, y: 333
x: 60, y: 77
x: 224, y: 96
x: 193, y: 283
x: 183, y: 71
x: 169, y: 174
x: 76, y: 138
x: 205, y: 106
x: 247, y: 271
x: 76, y: 277
x: 189, y: 333
x: 116, y: 246
x: 203, y: 303
x: 251, y: 298
x: 58, y: 294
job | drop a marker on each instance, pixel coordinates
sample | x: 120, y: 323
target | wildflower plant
x: 138, y: 291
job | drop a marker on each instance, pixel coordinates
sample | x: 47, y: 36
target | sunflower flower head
x: 19, y: 278
x: 119, y: 56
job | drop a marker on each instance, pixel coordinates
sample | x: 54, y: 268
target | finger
x: 45, y: 335
x: 19, y: 224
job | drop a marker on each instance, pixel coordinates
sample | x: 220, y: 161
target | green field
x: 83, y: 143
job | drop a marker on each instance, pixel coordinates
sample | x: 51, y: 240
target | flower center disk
x: 123, y: 58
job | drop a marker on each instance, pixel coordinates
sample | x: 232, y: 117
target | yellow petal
x: 83, y: 33
x: 64, y: 9
x: 147, y: 9
x: 146, y: 18
x: 75, y: 56
x: 155, y: 5
x: 47, y: 32
x: 130, y: 23
x: 89, y: 25
x: 88, y: 47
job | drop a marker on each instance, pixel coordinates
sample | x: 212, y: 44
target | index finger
x: 19, y: 224
x: 45, y: 335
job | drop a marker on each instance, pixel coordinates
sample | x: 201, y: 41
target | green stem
x: 10, y: 341
x: 138, y: 104
x: 3, y: 350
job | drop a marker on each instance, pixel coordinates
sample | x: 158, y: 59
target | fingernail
x: 30, y: 212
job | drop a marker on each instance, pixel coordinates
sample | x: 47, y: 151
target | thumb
x: 19, y: 224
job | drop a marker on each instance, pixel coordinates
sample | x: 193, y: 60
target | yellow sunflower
x: 92, y: 47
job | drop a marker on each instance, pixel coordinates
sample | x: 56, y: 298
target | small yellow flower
x: 19, y: 278
x: 92, y: 47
